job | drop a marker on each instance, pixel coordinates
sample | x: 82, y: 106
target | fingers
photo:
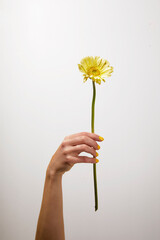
x: 74, y: 144
x: 81, y: 159
x: 94, y: 136
x: 80, y: 148
x: 83, y: 138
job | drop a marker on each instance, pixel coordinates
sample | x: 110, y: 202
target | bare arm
x: 50, y: 224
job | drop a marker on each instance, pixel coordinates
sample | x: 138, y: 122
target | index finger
x: 94, y: 136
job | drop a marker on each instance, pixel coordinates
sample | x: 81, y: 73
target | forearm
x: 50, y: 223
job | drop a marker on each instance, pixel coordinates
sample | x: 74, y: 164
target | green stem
x: 94, y: 164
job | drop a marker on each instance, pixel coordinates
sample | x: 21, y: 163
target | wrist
x: 51, y: 174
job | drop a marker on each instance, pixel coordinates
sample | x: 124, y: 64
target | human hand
x: 68, y: 152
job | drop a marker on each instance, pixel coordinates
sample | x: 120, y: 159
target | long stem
x: 94, y: 164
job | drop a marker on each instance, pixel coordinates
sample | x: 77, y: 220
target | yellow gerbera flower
x: 95, y: 68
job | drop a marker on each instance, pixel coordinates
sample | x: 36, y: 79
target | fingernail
x: 101, y: 138
x: 98, y: 147
x: 97, y: 154
x: 97, y: 160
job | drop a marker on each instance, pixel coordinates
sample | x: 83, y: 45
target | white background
x: 43, y: 99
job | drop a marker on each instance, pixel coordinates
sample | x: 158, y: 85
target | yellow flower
x: 95, y: 68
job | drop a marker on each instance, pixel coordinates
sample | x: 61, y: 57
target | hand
x: 68, y: 152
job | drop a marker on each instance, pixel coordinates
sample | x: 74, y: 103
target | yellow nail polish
x: 98, y: 147
x: 101, y: 138
x: 97, y: 160
x: 97, y: 154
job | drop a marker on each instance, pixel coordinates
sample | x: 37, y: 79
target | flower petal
x: 81, y: 68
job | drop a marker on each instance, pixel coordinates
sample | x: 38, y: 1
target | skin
x: 50, y: 224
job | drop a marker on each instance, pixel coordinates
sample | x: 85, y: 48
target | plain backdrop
x: 43, y: 99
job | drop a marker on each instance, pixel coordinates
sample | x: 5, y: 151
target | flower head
x: 95, y: 68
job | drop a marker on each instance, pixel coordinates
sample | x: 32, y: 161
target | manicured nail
x: 101, y: 138
x: 98, y: 147
x: 97, y: 160
x: 97, y: 154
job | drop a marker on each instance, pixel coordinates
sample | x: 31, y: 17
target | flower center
x: 94, y: 71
